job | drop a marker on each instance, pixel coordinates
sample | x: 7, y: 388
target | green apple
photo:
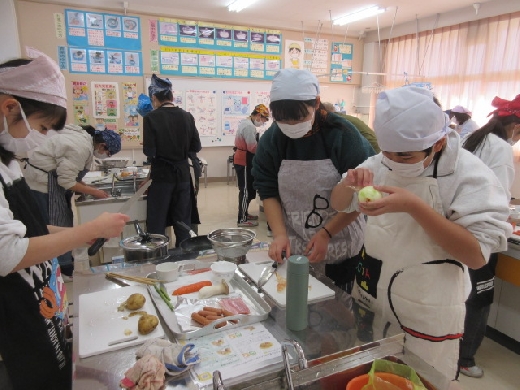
x: 369, y: 193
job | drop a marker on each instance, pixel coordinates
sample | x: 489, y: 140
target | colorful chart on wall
x: 210, y: 63
x: 105, y: 99
x: 101, y: 61
x: 102, y: 30
x: 204, y: 35
x: 235, y: 107
x: 341, y: 62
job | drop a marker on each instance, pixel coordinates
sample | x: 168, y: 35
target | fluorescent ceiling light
x: 239, y: 5
x: 361, y: 14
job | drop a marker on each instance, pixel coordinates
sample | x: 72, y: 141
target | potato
x: 135, y: 301
x: 147, y: 323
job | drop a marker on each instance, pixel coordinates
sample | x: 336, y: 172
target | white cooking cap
x: 294, y: 84
x: 407, y: 119
x: 461, y: 109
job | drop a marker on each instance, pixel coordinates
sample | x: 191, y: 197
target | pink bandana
x: 40, y: 80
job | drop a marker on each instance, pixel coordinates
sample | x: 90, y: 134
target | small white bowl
x: 223, y: 270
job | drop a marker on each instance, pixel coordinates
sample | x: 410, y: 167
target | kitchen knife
x: 124, y: 208
x: 123, y: 340
x: 266, y: 274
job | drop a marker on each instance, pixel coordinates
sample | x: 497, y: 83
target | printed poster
x: 203, y: 106
x: 105, y: 99
x: 178, y: 98
x: 130, y: 134
x: 317, y: 55
x: 293, y: 54
x: 236, y: 105
x: 80, y: 103
x: 341, y: 62
x: 130, y: 104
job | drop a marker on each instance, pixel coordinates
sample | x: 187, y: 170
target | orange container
x: 402, y: 383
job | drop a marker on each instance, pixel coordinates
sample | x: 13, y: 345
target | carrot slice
x: 191, y: 288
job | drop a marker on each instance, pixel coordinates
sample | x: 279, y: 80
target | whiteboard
x: 231, y: 101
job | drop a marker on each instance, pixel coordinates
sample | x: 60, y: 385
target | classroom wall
x: 8, y: 28
x: 44, y: 38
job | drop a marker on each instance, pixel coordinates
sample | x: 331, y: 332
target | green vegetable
x: 369, y: 193
x: 164, y: 297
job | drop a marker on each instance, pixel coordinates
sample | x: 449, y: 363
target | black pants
x: 474, y: 331
x: 168, y: 201
x: 343, y: 274
x: 246, y: 190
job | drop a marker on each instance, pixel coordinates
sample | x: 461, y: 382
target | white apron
x: 405, y: 277
x: 305, y: 188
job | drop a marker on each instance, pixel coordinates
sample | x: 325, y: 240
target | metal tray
x: 260, y: 306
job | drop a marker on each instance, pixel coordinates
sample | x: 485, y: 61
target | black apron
x: 32, y: 323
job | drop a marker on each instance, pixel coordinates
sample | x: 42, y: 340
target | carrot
x: 191, y: 288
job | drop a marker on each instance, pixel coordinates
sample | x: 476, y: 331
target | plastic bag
x: 387, y: 375
x: 144, y: 104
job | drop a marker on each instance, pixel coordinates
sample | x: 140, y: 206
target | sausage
x: 200, y: 319
x: 206, y: 313
x: 213, y: 309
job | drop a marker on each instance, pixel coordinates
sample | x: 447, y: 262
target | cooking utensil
x: 195, y: 243
x: 123, y: 340
x: 144, y: 246
x: 232, y: 244
x: 266, y: 274
x: 116, y: 281
x: 148, y: 281
x: 94, y: 248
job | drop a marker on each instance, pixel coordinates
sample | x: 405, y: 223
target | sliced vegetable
x: 191, y: 288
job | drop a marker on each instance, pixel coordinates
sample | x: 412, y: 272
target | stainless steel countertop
x: 331, y: 329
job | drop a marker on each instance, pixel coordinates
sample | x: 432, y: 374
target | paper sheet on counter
x: 235, y: 352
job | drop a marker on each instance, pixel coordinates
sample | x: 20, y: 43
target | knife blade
x: 266, y: 274
x: 94, y: 248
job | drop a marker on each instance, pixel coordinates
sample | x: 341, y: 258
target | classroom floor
x: 218, y: 208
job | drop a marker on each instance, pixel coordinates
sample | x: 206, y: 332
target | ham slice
x: 234, y: 305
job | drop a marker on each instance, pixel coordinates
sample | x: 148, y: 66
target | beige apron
x: 305, y: 188
x: 405, y: 277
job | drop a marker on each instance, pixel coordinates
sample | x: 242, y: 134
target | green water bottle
x: 297, y: 292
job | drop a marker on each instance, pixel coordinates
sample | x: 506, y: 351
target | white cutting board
x: 317, y: 290
x: 100, y: 322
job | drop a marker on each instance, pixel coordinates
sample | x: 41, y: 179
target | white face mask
x: 19, y: 145
x: 298, y: 130
x: 406, y: 170
x: 99, y: 155
x: 258, y: 123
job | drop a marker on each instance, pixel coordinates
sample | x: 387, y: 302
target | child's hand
x: 395, y: 200
x: 360, y: 177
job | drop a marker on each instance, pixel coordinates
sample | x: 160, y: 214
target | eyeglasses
x: 318, y: 203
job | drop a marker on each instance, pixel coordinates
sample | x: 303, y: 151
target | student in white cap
x: 33, y: 301
x: 442, y: 211
x: 298, y: 161
x: 465, y: 125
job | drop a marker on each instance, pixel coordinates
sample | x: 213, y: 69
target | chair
x: 232, y: 167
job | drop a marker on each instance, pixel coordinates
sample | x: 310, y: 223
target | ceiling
x: 309, y: 14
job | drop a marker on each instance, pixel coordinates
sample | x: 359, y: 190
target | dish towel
x: 146, y: 374
x: 176, y: 358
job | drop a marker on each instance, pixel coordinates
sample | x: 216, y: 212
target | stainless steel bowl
x: 114, y: 163
x: 232, y: 244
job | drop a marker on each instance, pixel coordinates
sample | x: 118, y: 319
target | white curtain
x: 468, y: 64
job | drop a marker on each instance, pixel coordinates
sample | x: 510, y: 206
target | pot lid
x: 153, y: 242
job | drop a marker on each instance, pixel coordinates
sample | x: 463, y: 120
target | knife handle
x: 96, y: 246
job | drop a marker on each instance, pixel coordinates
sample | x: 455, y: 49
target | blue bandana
x: 144, y: 104
x: 112, y: 140
x: 158, y: 85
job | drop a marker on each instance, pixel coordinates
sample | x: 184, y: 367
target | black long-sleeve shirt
x: 169, y: 134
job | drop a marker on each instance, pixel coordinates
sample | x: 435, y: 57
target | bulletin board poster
x: 341, y: 62
x: 130, y: 105
x: 294, y: 54
x: 89, y: 29
x: 105, y: 99
x: 217, y: 64
x: 80, y: 102
x: 204, y: 35
x: 178, y: 98
x: 101, y: 61
x: 202, y: 104
x: 236, y: 105
x: 317, y: 56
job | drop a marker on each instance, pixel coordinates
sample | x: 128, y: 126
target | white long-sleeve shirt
x: 13, y: 245
x: 69, y: 152
x: 471, y: 194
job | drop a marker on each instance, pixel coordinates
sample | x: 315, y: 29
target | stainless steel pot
x: 144, y: 247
